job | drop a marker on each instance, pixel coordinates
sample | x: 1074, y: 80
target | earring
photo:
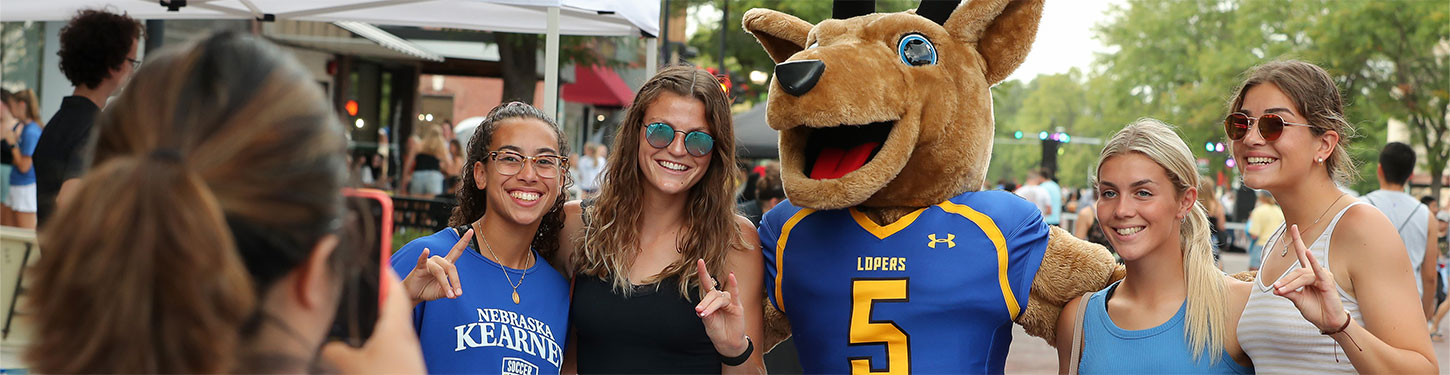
x: 1319, y: 160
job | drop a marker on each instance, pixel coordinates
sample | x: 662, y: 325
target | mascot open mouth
x: 835, y: 151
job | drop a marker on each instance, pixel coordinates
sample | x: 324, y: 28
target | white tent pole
x: 651, y: 57
x: 551, y: 65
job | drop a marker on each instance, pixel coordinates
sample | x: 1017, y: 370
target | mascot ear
x: 781, y: 34
x: 1003, y: 31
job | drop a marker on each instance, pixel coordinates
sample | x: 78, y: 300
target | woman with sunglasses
x: 1335, y: 293
x: 514, y: 314
x: 1170, y: 313
x: 668, y: 279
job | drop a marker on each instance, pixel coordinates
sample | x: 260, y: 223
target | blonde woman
x: 1335, y: 293
x: 428, y: 157
x: 1170, y: 314
x: 668, y: 279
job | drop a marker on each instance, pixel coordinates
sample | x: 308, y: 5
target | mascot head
x: 890, y: 109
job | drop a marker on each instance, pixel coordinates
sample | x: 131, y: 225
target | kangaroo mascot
x: 888, y: 256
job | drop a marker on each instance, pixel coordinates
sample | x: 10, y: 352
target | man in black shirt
x: 97, y: 54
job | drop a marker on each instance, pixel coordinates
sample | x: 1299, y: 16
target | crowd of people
x: 203, y: 212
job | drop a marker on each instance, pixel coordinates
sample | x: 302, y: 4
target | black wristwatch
x: 740, y: 359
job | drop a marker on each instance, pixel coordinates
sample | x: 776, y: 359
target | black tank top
x: 654, y: 330
x: 425, y: 162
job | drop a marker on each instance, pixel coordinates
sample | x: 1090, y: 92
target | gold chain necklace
x: 504, y: 268
x: 1316, y: 222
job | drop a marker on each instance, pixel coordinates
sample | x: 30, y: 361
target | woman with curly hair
x: 514, y: 315
x: 643, y: 253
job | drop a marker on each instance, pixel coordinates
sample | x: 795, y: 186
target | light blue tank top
x: 1108, y: 349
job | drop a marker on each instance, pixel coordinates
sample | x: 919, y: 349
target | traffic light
x: 1017, y: 134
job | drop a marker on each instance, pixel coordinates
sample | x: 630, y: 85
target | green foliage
x: 1179, y: 62
x: 744, y: 54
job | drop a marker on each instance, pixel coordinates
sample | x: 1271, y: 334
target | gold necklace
x: 505, y: 270
x: 1316, y: 222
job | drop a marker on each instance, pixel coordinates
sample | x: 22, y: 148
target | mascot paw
x: 1069, y: 268
x: 777, y: 327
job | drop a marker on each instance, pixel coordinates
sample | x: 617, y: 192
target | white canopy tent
x: 549, y: 17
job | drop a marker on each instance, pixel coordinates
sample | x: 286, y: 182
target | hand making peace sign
x: 1312, y: 288
x: 722, y: 312
x: 436, y: 277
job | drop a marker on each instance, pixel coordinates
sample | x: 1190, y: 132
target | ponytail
x: 1206, y: 319
x: 152, y: 283
x: 1206, y: 316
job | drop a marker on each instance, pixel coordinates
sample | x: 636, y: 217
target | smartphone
x: 369, y: 228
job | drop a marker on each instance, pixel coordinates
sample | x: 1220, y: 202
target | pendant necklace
x: 504, y: 268
x: 1285, y: 251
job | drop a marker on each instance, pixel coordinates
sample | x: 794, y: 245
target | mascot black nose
x: 798, y: 77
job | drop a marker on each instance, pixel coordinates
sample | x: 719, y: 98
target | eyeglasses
x: 134, y: 62
x: 511, y: 163
x: 1271, y: 126
x: 660, y: 135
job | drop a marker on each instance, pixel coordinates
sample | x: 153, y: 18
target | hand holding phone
x: 394, y: 348
x: 436, y: 277
x: 363, y: 293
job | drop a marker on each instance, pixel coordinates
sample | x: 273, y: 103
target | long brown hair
x: 32, y: 106
x: 472, y: 203
x: 1317, y: 97
x: 217, y: 171
x: 710, y: 229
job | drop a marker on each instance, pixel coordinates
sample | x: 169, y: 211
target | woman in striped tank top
x: 1344, y: 300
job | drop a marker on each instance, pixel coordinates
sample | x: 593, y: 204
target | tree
x: 519, y: 59
x: 744, y: 54
x: 1391, y: 61
x: 1180, y: 60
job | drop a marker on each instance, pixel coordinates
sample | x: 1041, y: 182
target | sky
x: 1064, y: 38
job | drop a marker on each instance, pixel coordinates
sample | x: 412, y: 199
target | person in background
x: 97, y: 54
x: 1054, y: 198
x: 769, y: 190
x: 7, y: 161
x: 1412, y: 219
x: 209, y: 236
x: 1032, y: 191
x: 1337, y: 282
x: 589, y: 167
x: 20, y: 143
x: 455, y: 166
x: 428, y: 157
x: 1215, y: 218
x: 1263, y: 221
x: 1174, y: 311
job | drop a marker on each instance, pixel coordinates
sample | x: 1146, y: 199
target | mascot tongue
x: 833, y: 163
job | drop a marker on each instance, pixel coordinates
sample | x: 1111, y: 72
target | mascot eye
x: 915, y: 50
x: 813, y: 45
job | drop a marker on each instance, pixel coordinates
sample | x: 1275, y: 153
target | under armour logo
x: 948, y: 240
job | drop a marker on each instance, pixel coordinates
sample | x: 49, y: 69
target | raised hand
x: 436, y: 277
x: 722, y: 313
x: 1312, y: 288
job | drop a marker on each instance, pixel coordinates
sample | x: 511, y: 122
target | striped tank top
x: 1274, y: 333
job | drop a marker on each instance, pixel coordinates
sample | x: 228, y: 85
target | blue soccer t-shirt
x: 935, y: 292
x: 483, y: 330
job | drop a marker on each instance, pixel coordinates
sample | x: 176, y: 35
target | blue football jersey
x: 935, y: 292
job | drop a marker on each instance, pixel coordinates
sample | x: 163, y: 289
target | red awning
x: 598, y: 85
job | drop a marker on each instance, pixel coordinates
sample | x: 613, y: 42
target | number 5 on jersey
x: 865, y: 293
